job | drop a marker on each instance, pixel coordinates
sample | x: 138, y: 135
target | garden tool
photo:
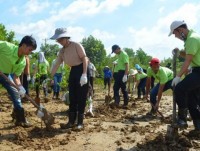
x: 108, y: 98
x: 172, y: 130
x: 41, y: 112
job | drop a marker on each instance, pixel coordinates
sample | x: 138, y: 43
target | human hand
x: 125, y: 78
x: 176, y: 51
x: 83, y: 79
x: 156, y: 106
x: 22, y: 91
x: 176, y: 80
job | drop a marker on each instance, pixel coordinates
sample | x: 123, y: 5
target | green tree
x: 94, y: 49
x: 49, y: 50
x: 130, y: 52
x: 142, y: 57
x: 7, y: 36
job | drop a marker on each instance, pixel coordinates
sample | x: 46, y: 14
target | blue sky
x: 128, y: 23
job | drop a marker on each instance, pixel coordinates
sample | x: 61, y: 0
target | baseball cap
x: 59, y: 33
x: 154, y: 61
x: 174, y: 25
x: 115, y: 47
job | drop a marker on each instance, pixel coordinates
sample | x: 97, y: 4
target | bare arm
x: 85, y: 64
x: 160, y: 91
x: 16, y: 80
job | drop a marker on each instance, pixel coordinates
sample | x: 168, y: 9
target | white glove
x: 22, y: 91
x: 28, y: 77
x: 176, y: 80
x: 125, y: 77
x: 83, y: 79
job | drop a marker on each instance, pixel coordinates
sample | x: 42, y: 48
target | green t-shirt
x: 163, y: 75
x: 122, y: 60
x: 140, y: 76
x: 10, y: 62
x: 43, y: 67
x: 192, y: 47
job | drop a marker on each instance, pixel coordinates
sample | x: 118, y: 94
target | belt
x: 196, y: 69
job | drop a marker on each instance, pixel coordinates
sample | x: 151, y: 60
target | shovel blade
x: 172, y: 132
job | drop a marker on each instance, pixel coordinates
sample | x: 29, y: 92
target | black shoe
x: 70, y: 124
x: 20, y: 118
x: 182, y: 118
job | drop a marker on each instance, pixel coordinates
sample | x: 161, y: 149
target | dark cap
x: 115, y: 47
x: 154, y: 61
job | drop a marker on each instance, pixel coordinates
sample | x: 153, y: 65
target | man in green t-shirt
x: 186, y: 90
x: 121, y: 75
x: 164, y: 75
x: 13, y: 62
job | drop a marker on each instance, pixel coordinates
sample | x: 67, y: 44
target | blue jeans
x: 154, y: 91
x: 13, y: 92
x: 57, y: 79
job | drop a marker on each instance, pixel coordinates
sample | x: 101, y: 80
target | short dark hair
x: 29, y: 41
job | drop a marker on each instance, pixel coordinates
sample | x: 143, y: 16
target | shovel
x: 172, y: 130
x: 108, y: 98
x: 41, y: 112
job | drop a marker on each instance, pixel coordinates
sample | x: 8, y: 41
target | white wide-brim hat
x: 133, y: 72
x: 59, y: 33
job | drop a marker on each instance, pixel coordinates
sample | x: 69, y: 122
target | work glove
x: 176, y: 80
x: 28, y: 77
x: 83, y: 79
x: 125, y: 78
x: 22, y: 91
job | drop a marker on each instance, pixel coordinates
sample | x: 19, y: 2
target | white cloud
x: 14, y: 10
x: 81, y: 8
x: 103, y: 35
x: 155, y: 40
x: 35, y: 6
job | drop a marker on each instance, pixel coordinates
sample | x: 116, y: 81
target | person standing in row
x: 42, y: 75
x: 92, y: 71
x: 187, y: 90
x: 13, y: 62
x: 141, y: 78
x: 25, y: 76
x: 73, y: 54
x: 57, y: 78
x: 122, y: 75
x: 107, y: 77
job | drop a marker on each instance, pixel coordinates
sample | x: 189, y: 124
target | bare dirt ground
x: 109, y: 130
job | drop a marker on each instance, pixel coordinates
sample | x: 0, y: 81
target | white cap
x: 133, y: 72
x: 174, y: 25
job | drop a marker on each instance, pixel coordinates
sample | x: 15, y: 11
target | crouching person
x: 164, y: 76
x: 73, y: 54
x: 13, y: 61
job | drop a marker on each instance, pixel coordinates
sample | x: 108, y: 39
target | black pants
x: 25, y: 83
x: 38, y: 82
x: 120, y: 84
x: 187, y: 93
x: 106, y: 82
x: 77, y: 93
x: 141, y: 87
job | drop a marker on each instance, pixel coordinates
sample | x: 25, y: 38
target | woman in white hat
x: 73, y: 54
